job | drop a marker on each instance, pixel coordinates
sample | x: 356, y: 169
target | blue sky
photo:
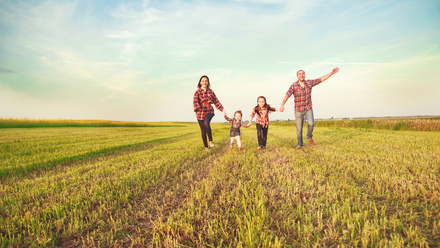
x: 141, y: 60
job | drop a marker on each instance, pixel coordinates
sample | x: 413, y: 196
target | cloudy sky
x: 139, y: 60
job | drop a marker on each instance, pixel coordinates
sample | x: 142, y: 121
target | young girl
x: 236, y: 123
x: 203, y: 98
x: 262, y: 110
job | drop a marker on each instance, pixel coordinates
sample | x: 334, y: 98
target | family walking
x: 204, y: 97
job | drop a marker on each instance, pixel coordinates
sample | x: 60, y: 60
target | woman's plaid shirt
x: 263, y: 116
x: 202, y: 96
x: 303, y: 96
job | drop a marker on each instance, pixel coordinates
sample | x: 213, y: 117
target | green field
x: 363, y: 185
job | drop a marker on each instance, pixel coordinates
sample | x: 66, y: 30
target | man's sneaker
x: 211, y: 144
x: 206, y: 149
x: 259, y: 148
x: 311, y: 142
x: 298, y: 147
x: 263, y: 147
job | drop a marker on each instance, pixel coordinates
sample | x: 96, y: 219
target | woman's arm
x: 196, y: 103
x: 215, y: 100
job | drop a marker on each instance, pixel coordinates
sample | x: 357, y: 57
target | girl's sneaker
x: 231, y: 147
x: 240, y: 148
x: 211, y: 144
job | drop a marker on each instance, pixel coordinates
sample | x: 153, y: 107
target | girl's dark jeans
x: 262, y: 135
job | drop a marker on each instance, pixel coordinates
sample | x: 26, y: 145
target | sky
x: 137, y: 60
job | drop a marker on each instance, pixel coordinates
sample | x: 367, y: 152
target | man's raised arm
x: 323, y: 78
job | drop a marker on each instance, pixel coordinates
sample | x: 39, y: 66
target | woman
x: 203, y: 98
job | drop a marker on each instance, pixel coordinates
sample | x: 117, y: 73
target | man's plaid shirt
x: 303, y: 96
x: 208, y: 96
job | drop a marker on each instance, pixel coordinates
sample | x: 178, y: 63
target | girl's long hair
x: 257, y: 108
x: 200, y: 80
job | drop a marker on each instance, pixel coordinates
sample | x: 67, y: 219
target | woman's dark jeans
x: 205, y: 127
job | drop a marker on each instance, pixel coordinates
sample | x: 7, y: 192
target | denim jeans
x: 262, y: 135
x: 205, y: 128
x: 299, y: 119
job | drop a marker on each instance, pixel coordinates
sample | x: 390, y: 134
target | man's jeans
x: 299, y: 119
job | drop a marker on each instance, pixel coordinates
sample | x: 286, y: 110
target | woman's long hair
x: 257, y: 108
x: 200, y: 80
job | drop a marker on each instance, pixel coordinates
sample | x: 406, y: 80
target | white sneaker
x: 211, y: 144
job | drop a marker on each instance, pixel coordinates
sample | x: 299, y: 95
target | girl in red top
x: 203, y: 98
x: 262, y: 110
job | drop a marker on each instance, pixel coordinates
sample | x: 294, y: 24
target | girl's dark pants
x: 206, y: 128
x: 262, y: 135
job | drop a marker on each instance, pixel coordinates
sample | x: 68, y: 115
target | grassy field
x: 153, y: 185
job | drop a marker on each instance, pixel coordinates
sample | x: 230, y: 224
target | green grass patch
x: 397, y: 124
x: 157, y: 187
x: 44, y: 123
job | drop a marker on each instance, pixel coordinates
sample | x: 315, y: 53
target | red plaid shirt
x: 208, y: 96
x: 263, y: 116
x: 303, y: 96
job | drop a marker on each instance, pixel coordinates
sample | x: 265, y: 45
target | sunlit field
x: 151, y: 184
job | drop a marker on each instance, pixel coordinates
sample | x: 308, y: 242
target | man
x: 302, y: 91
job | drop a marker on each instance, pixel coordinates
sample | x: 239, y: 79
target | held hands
x: 282, y: 108
x: 335, y: 70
